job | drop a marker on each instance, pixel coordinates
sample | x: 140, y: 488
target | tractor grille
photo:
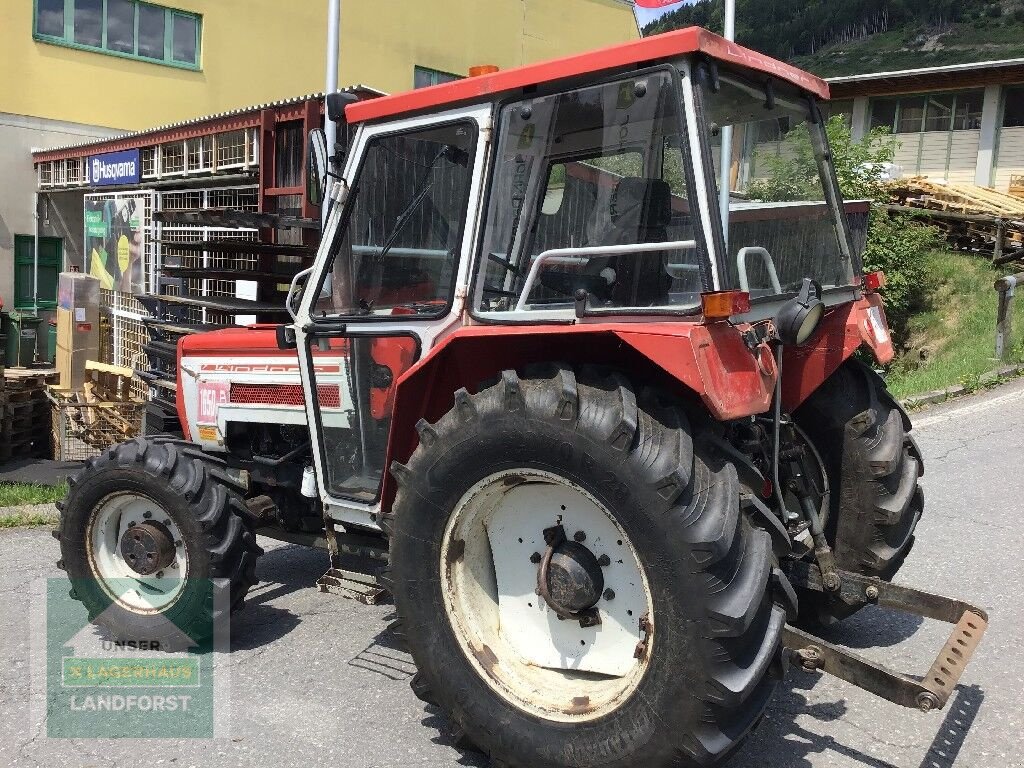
x: 283, y: 394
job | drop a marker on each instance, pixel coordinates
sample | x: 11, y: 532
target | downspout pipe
x: 35, y: 254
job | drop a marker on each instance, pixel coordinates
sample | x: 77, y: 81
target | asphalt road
x: 315, y: 680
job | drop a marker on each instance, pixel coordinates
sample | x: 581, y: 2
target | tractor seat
x: 640, y: 210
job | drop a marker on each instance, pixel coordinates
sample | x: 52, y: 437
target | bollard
x: 1004, y: 315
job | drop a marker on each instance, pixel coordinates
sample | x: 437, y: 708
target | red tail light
x: 874, y: 281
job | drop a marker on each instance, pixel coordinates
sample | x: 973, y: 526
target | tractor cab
x: 580, y: 191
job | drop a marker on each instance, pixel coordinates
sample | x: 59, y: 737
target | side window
x: 399, y: 249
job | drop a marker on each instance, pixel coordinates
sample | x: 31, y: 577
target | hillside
x: 860, y: 36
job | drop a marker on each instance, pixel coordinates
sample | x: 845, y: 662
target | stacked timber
x: 102, y: 414
x: 973, y: 218
x: 1017, y: 186
x: 24, y: 414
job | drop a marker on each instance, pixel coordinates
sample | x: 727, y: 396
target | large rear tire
x: 550, y: 449
x: 165, y: 501
x: 874, y: 467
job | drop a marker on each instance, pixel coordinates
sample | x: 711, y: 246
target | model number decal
x: 211, y: 395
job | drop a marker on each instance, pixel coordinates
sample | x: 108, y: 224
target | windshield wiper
x: 406, y: 215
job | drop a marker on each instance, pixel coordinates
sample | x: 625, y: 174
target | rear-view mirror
x: 316, y: 166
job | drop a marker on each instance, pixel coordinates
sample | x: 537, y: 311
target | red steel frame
x: 309, y: 111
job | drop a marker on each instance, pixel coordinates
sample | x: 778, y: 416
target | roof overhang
x: 648, y: 50
x: 946, y: 78
x: 247, y: 117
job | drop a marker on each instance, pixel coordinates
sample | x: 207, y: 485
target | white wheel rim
x: 140, y: 594
x: 551, y: 668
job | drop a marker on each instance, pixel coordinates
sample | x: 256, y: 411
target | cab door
x: 384, y: 285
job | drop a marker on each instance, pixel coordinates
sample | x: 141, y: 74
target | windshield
x: 781, y: 227
x: 589, y: 201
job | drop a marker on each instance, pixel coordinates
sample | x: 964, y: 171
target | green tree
x: 895, y: 244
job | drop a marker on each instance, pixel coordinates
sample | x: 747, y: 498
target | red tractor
x: 613, y: 451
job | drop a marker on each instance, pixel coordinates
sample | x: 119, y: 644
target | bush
x: 895, y: 244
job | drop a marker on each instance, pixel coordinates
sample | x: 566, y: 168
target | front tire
x: 703, y: 676
x: 874, y: 467
x: 162, y: 500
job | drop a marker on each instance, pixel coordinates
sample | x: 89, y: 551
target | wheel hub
x: 147, y: 548
x: 570, y: 578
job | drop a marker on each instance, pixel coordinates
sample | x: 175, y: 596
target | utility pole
x: 330, y: 129
x: 725, y: 182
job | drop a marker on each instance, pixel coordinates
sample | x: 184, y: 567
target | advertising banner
x: 113, y: 240
x: 115, y: 168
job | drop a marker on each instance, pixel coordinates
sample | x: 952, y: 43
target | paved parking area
x: 316, y: 680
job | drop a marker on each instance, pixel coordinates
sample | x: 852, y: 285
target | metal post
x: 330, y: 129
x: 1004, y: 314
x: 725, y: 183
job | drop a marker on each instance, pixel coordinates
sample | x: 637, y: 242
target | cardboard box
x: 78, y: 326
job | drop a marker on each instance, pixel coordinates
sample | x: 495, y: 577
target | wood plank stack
x: 974, y: 218
x: 100, y: 415
x: 1017, y: 186
x: 24, y: 414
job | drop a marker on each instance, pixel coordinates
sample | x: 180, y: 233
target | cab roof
x: 646, y: 50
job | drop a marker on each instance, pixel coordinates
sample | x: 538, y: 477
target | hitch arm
x: 934, y: 689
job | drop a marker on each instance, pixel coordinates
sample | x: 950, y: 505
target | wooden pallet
x: 973, y: 218
x: 1017, y: 186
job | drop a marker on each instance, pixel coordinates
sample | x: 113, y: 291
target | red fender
x: 843, y: 329
x: 711, y: 361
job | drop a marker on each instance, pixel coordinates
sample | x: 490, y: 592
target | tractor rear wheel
x: 145, y: 531
x: 576, y: 581
x: 874, y: 467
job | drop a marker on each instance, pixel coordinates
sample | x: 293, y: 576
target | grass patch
x: 20, y: 494
x: 26, y: 494
x: 952, y: 342
x: 26, y: 520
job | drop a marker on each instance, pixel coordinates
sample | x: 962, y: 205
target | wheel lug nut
x: 604, y: 561
x: 159, y: 574
x: 535, y: 558
x: 609, y: 594
x: 147, y: 515
x: 579, y: 536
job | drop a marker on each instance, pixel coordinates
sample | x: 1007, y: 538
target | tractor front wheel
x: 576, y: 580
x: 148, y: 532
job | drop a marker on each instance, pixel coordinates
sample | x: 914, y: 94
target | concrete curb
x: 987, y: 379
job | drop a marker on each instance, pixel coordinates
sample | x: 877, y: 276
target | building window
x: 1013, y: 112
x: 423, y: 77
x: 127, y: 28
x: 934, y: 112
x: 27, y: 280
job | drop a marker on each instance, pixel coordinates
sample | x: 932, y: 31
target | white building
x: 963, y: 123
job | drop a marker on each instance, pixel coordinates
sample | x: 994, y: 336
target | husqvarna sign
x: 115, y: 168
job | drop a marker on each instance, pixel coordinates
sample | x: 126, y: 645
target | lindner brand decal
x: 115, y: 168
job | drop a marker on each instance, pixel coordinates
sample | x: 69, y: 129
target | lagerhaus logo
x: 156, y: 679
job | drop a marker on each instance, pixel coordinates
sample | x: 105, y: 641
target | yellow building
x: 76, y: 70
x: 130, y: 65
